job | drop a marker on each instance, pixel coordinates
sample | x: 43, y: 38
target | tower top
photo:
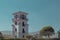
x: 20, y: 13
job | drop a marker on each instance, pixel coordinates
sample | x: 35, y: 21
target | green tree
x: 59, y: 34
x: 1, y: 36
x: 29, y: 37
x: 47, y: 31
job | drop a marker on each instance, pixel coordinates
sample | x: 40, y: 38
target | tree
x: 59, y: 34
x: 29, y: 37
x: 47, y: 31
x: 33, y: 38
x: 1, y: 36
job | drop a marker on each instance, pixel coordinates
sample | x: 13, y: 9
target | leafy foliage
x: 29, y: 37
x: 1, y: 36
x: 47, y: 31
x: 59, y: 33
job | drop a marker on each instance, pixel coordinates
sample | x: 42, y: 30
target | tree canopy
x: 1, y: 36
x: 47, y: 31
x: 59, y: 34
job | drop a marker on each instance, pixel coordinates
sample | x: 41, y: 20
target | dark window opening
x: 16, y: 16
x: 15, y: 23
x: 23, y: 24
x: 23, y: 31
x: 23, y: 17
x: 23, y: 36
x: 15, y: 29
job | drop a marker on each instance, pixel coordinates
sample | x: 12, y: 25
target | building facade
x: 20, y: 25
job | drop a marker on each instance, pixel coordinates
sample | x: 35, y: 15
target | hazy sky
x: 40, y: 13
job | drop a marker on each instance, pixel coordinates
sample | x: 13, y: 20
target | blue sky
x: 40, y: 13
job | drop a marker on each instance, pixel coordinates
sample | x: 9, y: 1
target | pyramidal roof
x: 20, y: 12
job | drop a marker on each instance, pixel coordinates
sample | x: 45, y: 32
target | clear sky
x: 40, y: 13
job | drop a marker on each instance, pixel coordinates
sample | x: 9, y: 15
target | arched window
x: 23, y: 36
x: 22, y: 16
x: 15, y: 29
x: 23, y: 31
x: 15, y: 23
x: 23, y: 24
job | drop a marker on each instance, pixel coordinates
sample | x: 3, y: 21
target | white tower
x: 20, y: 26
